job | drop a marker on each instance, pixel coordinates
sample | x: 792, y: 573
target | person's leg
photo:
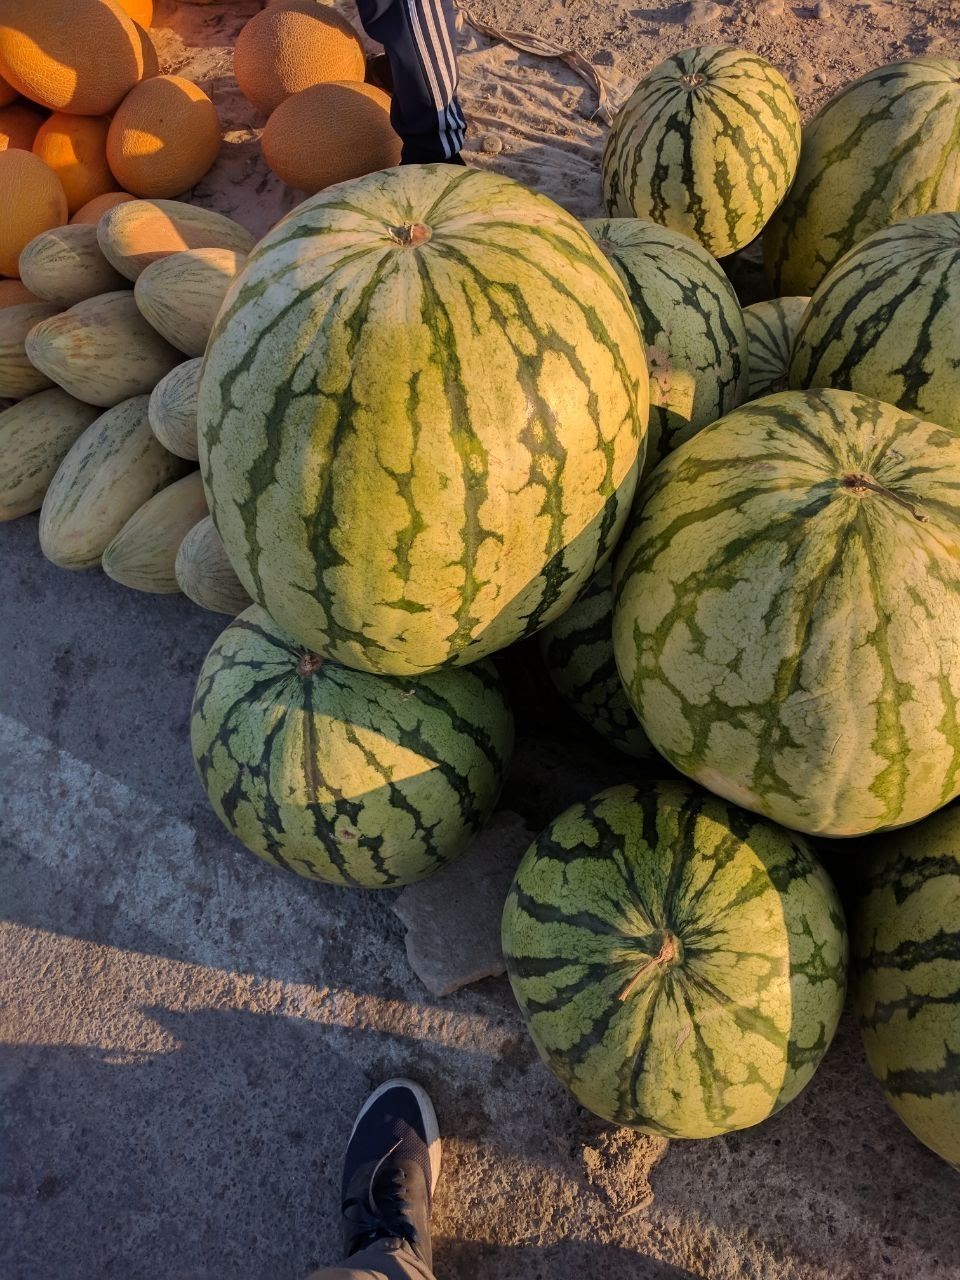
x: 420, y: 44
x: 389, y: 1173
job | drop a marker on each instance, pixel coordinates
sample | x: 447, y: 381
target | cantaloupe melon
x: 329, y: 133
x: 33, y: 201
x: 94, y: 209
x: 19, y: 124
x: 151, y: 62
x: 180, y: 295
x: 13, y: 292
x: 8, y: 93
x: 75, y: 148
x: 287, y: 48
x: 204, y: 573
x: 143, y: 555
x: 81, y: 56
x: 109, y: 472
x: 18, y: 377
x: 102, y: 350
x: 164, y: 137
x: 35, y: 436
x: 138, y: 232
x: 66, y: 265
x: 139, y: 11
x: 173, y: 409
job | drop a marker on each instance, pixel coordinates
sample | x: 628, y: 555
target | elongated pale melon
x: 111, y: 470
x: 173, y: 409
x: 180, y: 295
x: 35, y: 436
x: 18, y: 376
x: 138, y: 232
x: 206, y: 575
x: 66, y: 265
x: 143, y: 554
x: 102, y: 350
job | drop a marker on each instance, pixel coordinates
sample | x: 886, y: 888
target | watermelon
x: 906, y: 952
x: 340, y: 775
x: 707, y: 144
x: 680, y: 964
x: 691, y: 322
x: 885, y: 320
x: 787, y: 609
x: 771, y: 331
x: 577, y: 651
x: 421, y: 416
x: 883, y: 149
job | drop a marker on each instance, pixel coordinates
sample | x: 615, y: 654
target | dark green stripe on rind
x: 771, y: 330
x: 726, y: 1024
x: 340, y: 775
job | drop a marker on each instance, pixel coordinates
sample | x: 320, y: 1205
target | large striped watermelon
x: 577, y: 651
x: 788, y: 611
x: 886, y: 147
x: 421, y: 413
x: 907, y: 964
x: 707, y: 144
x: 885, y: 321
x: 771, y: 332
x: 680, y: 963
x: 691, y: 323
x: 339, y: 775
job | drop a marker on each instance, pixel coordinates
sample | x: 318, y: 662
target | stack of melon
x: 302, y: 66
x: 86, y: 118
x: 103, y: 434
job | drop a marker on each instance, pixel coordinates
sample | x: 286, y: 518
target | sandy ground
x: 187, y: 1033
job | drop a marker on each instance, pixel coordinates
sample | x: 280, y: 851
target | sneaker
x: 390, y: 1170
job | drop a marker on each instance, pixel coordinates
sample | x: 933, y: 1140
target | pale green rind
x: 205, y: 575
x: 771, y: 332
x: 885, y: 321
x: 66, y: 265
x: 692, y: 326
x: 786, y: 633
x: 340, y: 775
x: 101, y: 350
x: 735, y: 1026
x: 18, y: 376
x: 134, y: 234
x: 35, y: 436
x: 886, y: 147
x: 109, y: 471
x: 707, y: 145
x: 417, y: 453
x: 181, y: 294
x: 906, y: 943
x: 577, y: 651
x: 143, y: 554
x: 173, y: 409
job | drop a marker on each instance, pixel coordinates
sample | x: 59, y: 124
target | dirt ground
x: 185, y: 1034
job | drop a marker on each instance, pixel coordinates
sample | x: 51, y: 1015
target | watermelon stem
x: 411, y: 234
x: 666, y: 957
x: 858, y: 483
x: 309, y: 664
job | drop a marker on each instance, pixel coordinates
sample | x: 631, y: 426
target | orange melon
x: 80, y: 56
x: 329, y: 133
x: 34, y: 201
x: 13, y: 293
x: 19, y: 124
x: 75, y: 148
x: 151, y: 63
x: 163, y: 138
x: 287, y: 48
x: 140, y: 11
x: 94, y: 209
x: 8, y: 93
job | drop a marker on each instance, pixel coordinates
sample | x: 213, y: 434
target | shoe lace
x: 382, y: 1211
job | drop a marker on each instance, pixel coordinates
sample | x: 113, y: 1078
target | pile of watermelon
x: 437, y: 416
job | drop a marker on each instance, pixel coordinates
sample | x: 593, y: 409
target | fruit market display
x: 680, y: 964
x: 885, y: 320
x: 707, y: 144
x: 883, y: 149
x: 467, y: 494
x: 906, y: 948
x: 405, y: 431
x: 340, y: 775
x: 787, y: 605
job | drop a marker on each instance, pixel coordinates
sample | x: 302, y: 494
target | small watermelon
x: 340, y: 775
x: 906, y: 947
x: 680, y: 964
x: 771, y: 331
